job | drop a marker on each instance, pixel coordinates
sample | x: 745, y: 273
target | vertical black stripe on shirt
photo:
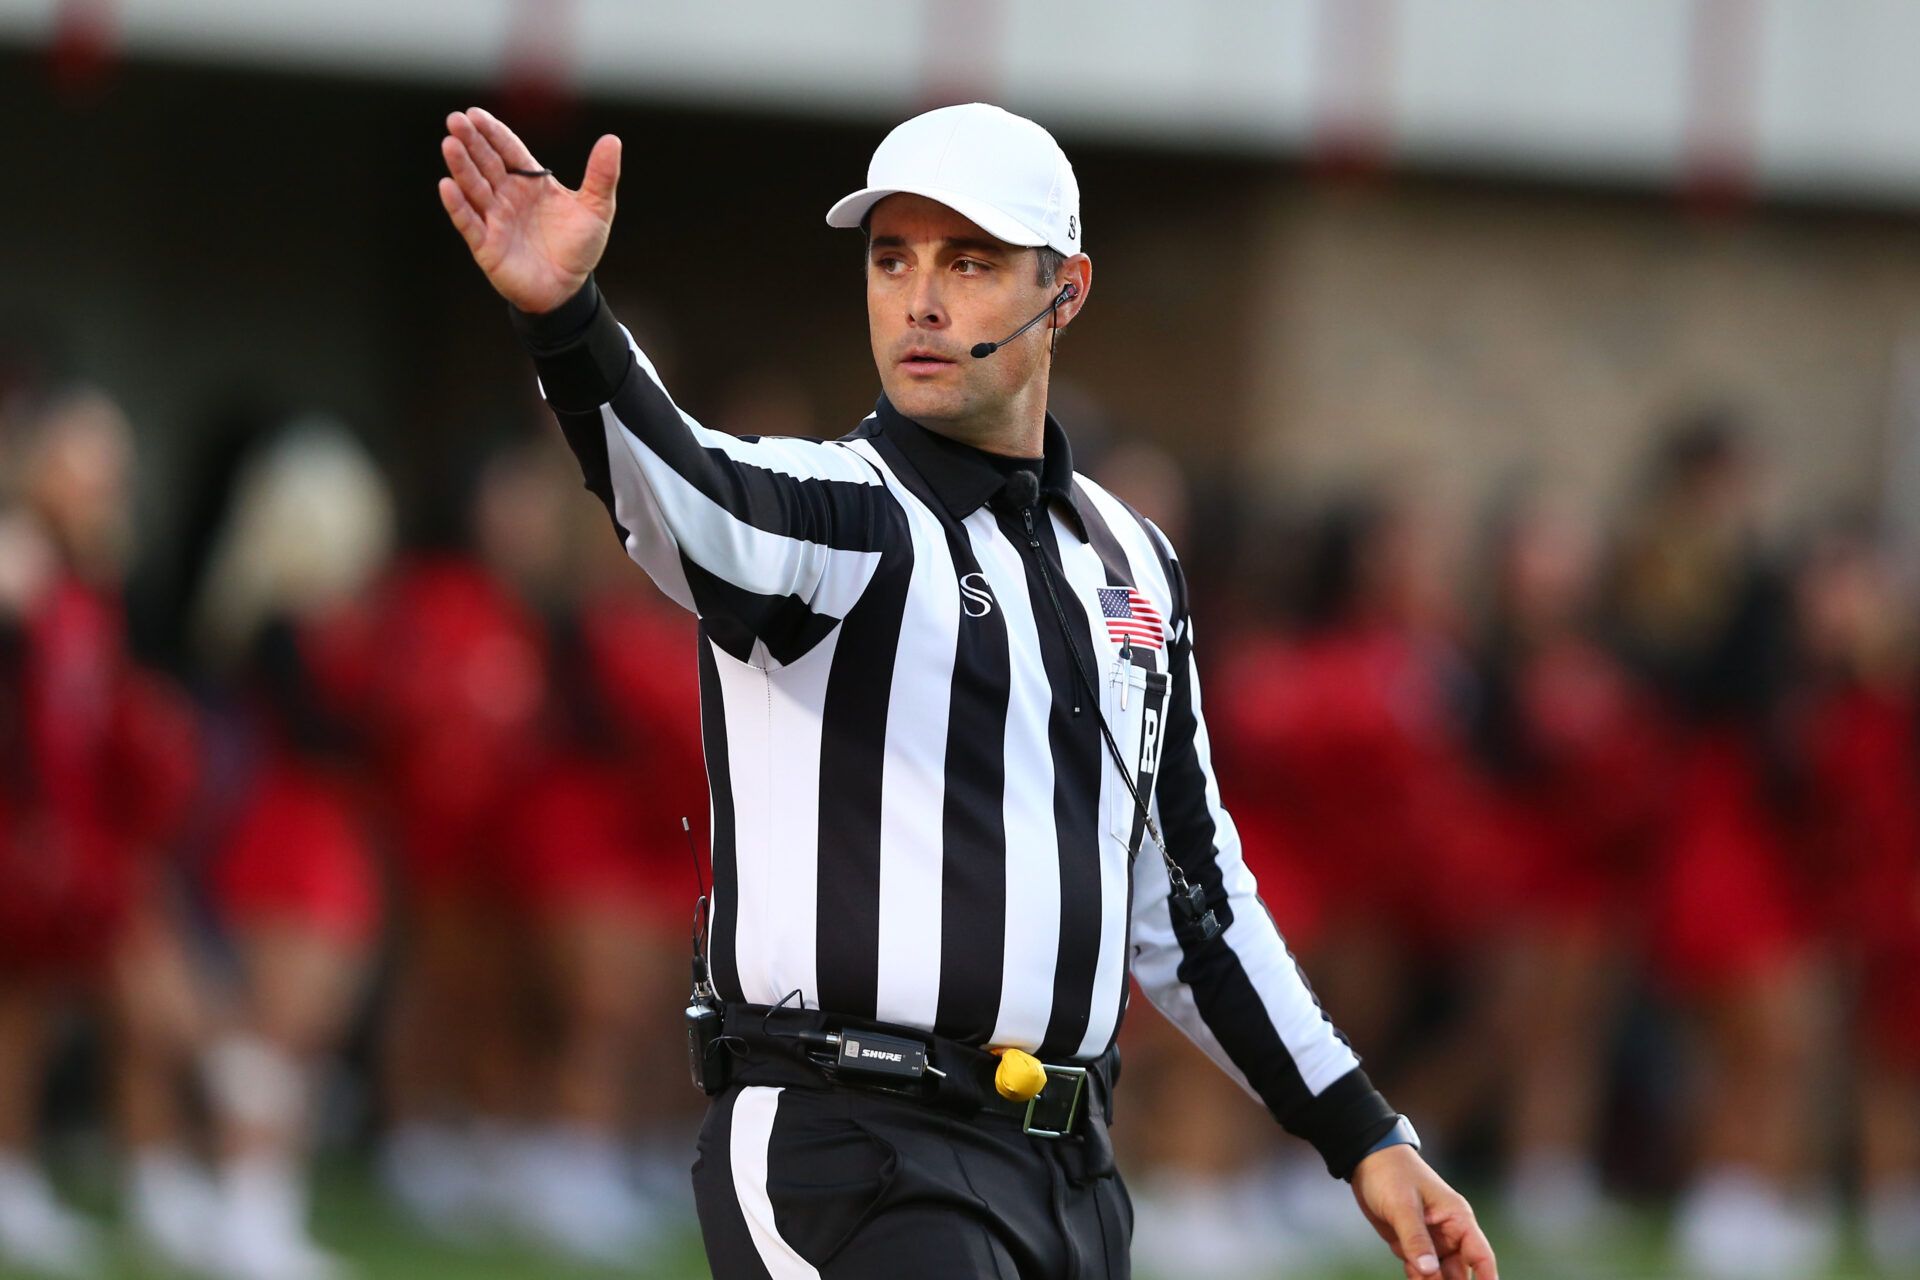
x: 725, y: 905
x: 973, y: 867
x: 1119, y: 571
x: 853, y: 754
x: 1074, y: 742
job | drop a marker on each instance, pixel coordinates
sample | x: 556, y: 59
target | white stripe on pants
x: 753, y: 1112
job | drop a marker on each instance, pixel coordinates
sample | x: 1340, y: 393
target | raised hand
x: 536, y: 241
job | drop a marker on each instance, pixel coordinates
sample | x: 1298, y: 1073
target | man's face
x: 937, y: 284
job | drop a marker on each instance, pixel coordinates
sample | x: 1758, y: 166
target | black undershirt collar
x: 964, y: 477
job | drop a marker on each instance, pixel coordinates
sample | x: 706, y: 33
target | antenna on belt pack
x: 707, y: 1061
x: 1189, y: 900
x: 702, y: 978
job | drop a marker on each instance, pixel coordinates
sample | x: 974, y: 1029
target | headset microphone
x: 981, y: 350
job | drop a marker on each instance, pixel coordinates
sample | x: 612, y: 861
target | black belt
x: 807, y: 1046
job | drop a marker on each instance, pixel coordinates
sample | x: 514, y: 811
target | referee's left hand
x: 1428, y: 1225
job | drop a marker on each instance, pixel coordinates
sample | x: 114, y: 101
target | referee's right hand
x: 536, y: 240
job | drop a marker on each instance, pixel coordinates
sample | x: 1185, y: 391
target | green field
x: 352, y: 1218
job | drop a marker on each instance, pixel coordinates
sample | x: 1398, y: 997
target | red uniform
x: 1730, y: 906
x: 1262, y: 806
x: 1583, y: 768
x: 297, y: 850
x: 100, y: 768
x: 1354, y: 776
x: 1859, y: 838
x: 600, y: 823
x: 457, y: 718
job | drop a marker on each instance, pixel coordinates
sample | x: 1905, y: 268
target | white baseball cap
x: 1002, y: 171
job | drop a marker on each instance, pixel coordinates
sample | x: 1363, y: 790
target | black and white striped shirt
x: 914, y: 816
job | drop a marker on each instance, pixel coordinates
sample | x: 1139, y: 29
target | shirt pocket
x: 1136, y: 707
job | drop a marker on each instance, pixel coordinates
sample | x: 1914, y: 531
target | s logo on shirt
x: 975, y: 600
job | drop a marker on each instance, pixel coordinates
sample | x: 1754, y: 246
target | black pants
x: 845, y: 1184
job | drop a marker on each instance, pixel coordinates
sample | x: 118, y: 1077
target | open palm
x: 536, y: 241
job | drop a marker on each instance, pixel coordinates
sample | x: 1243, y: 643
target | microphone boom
x: 981, y: 350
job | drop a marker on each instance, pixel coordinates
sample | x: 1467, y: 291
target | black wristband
x: 579, y: 349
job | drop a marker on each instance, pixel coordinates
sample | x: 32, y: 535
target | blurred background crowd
x: 1534, y: 397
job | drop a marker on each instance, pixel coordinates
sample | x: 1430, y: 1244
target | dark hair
x: 1047, y: 263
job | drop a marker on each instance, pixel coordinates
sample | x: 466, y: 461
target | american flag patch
x: 1131, y: 617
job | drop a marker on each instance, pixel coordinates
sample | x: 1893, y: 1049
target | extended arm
x: 770, y: 541
x: 1241, y: 997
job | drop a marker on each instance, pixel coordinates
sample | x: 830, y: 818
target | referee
x: 960, y: 777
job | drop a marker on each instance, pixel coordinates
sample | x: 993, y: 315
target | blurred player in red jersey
x: 100, y: 765
x: 1200, y: 1139
x: 1700, y: 612
x: 606, y: 873
x: 283, y: 621
x: 542, y: 763
x: 1855, y: 731
x: 1365, y: 823
x: 456, y: 715
x: 1579, y: 756
x: 1361, y: 725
